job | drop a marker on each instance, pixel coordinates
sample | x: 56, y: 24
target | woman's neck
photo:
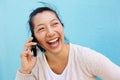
x: 62, y: 55
x: 58, y: 62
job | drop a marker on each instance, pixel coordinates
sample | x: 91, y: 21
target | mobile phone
x: 34, y: 51
x: 38, y: 46
x: 34, y: 47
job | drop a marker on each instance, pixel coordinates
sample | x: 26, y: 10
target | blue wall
x: 91, y: 23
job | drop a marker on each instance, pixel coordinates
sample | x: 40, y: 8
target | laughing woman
x: 60, y: 60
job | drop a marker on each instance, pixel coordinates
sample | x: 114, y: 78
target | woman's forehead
x: 44, y: 17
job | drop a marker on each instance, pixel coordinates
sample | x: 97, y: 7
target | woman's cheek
x: 60, y: 29
x: 41, y: 36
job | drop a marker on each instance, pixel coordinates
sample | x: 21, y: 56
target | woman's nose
x: 50, y: 32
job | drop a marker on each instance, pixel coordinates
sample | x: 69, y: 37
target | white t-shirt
x: 54, y: 76
x: 83, y: 64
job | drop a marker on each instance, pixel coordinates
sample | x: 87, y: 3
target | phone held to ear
x: 34, y: 48
x: 34, y: 51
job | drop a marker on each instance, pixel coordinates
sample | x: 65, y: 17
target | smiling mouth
x: 53, y: 43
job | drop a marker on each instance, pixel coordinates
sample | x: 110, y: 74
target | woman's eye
x: 41, y: 29
x: 55, y: 24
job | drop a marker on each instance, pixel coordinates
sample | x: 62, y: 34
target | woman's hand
x: 28, y: 61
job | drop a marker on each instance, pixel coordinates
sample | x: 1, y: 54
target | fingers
x: 29, y: 40
x: 26, y: 54
x: 29, y: 44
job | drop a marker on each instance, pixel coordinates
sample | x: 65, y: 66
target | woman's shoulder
x: 83, y: 51
x: 80, y: 47
x: 86, y: 53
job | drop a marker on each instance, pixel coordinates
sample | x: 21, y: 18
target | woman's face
x: 48, y: 31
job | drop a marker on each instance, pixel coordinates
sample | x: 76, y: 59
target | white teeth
x: 53, y: 40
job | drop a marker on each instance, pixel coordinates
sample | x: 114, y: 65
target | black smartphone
x: 38, y: 46
x: 34, y: 47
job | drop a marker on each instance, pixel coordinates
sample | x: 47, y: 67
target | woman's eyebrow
x: 53, y: 20
x: 38, y: 25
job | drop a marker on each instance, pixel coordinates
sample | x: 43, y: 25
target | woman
x: 60, y: 60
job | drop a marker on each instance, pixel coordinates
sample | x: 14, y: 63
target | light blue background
x: 90, y: 23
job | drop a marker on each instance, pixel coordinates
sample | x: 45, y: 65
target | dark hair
x: 40, y: 10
